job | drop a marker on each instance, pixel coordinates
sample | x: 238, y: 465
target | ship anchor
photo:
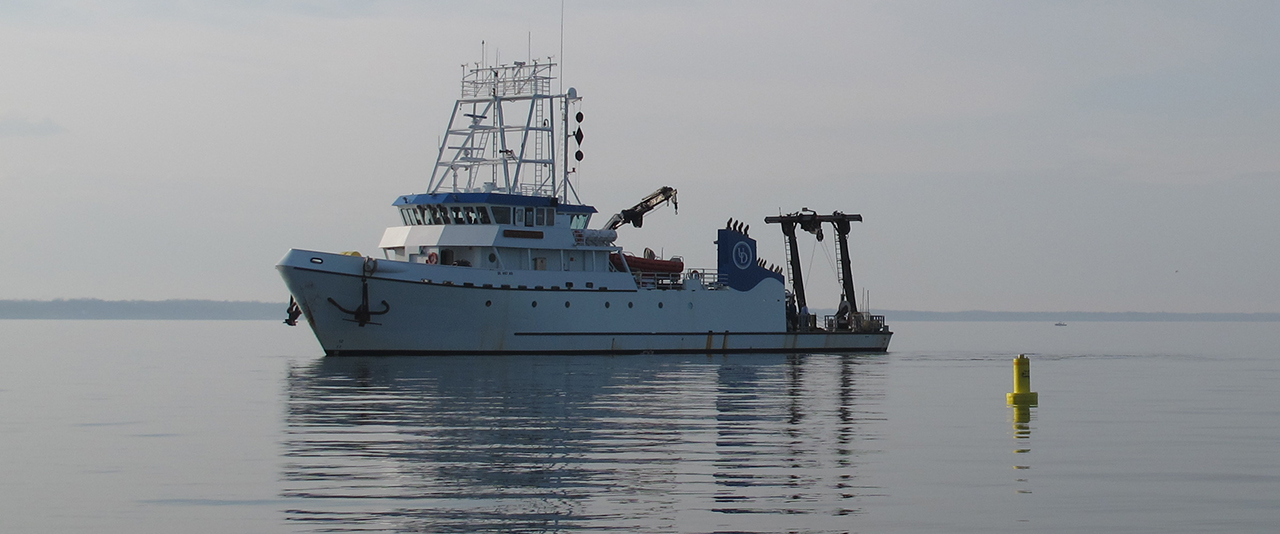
x: 294, y: 311
x: 361, y: 315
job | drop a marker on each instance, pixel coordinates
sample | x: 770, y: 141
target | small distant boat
x: 1059, y: 324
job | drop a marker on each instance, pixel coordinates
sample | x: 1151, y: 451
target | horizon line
x: 876, y: 312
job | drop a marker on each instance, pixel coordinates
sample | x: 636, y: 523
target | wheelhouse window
x: 438, y: 215
x: 579, y: 221
x: 415, y: 215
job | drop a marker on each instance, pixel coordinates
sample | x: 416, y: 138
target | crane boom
x: 635, y: 214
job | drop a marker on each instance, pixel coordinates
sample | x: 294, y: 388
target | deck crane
x: 635, y: 214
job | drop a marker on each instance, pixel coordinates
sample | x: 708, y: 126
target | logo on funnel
x: 742, y: 255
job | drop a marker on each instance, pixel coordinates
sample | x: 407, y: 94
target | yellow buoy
x: 1022, y: 394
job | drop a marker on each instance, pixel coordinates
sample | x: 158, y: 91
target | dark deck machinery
x: 811, y: 222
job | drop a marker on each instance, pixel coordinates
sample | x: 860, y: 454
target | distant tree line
x: 254, y: 310
x: 1053, y: 317
x: 141, y: 309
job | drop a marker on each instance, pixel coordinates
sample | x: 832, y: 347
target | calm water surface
x: 177, y: 426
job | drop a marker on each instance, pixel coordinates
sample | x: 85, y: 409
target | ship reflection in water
x: 760, y: 443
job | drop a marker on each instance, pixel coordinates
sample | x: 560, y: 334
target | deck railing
x: 709, y: 278
x: 858, y: 322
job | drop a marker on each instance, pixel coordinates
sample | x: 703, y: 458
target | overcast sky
x: 1021, y: 156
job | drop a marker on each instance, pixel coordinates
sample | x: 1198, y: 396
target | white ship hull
x: 444, y: 310
x: 498, y: 256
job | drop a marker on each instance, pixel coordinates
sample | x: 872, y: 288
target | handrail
x: 710, y: 279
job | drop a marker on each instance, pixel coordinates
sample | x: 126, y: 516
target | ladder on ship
x: 787, y: 244
x: 840, y: 268
x: 539, y: 120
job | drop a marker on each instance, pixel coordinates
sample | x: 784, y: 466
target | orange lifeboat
x: 648, y: 265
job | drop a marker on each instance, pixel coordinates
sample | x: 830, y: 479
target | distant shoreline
x: 1084, y: 317
x: 176, y: 309
x: 218, y: 310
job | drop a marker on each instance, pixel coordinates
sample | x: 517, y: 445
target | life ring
x: 433, y: 258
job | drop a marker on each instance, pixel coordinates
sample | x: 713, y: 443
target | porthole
x: 691, y: 305
x: 631, y: 304
x: 659, y: 304
x: 606, y: 304
x: 566, y: 304
x: 535, y: 304
x: 488, y: 303
x: 493, y: 258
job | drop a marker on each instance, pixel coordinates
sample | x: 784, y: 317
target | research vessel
x: 499, y: 256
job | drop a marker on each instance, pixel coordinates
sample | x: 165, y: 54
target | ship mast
x: 502, y: 134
